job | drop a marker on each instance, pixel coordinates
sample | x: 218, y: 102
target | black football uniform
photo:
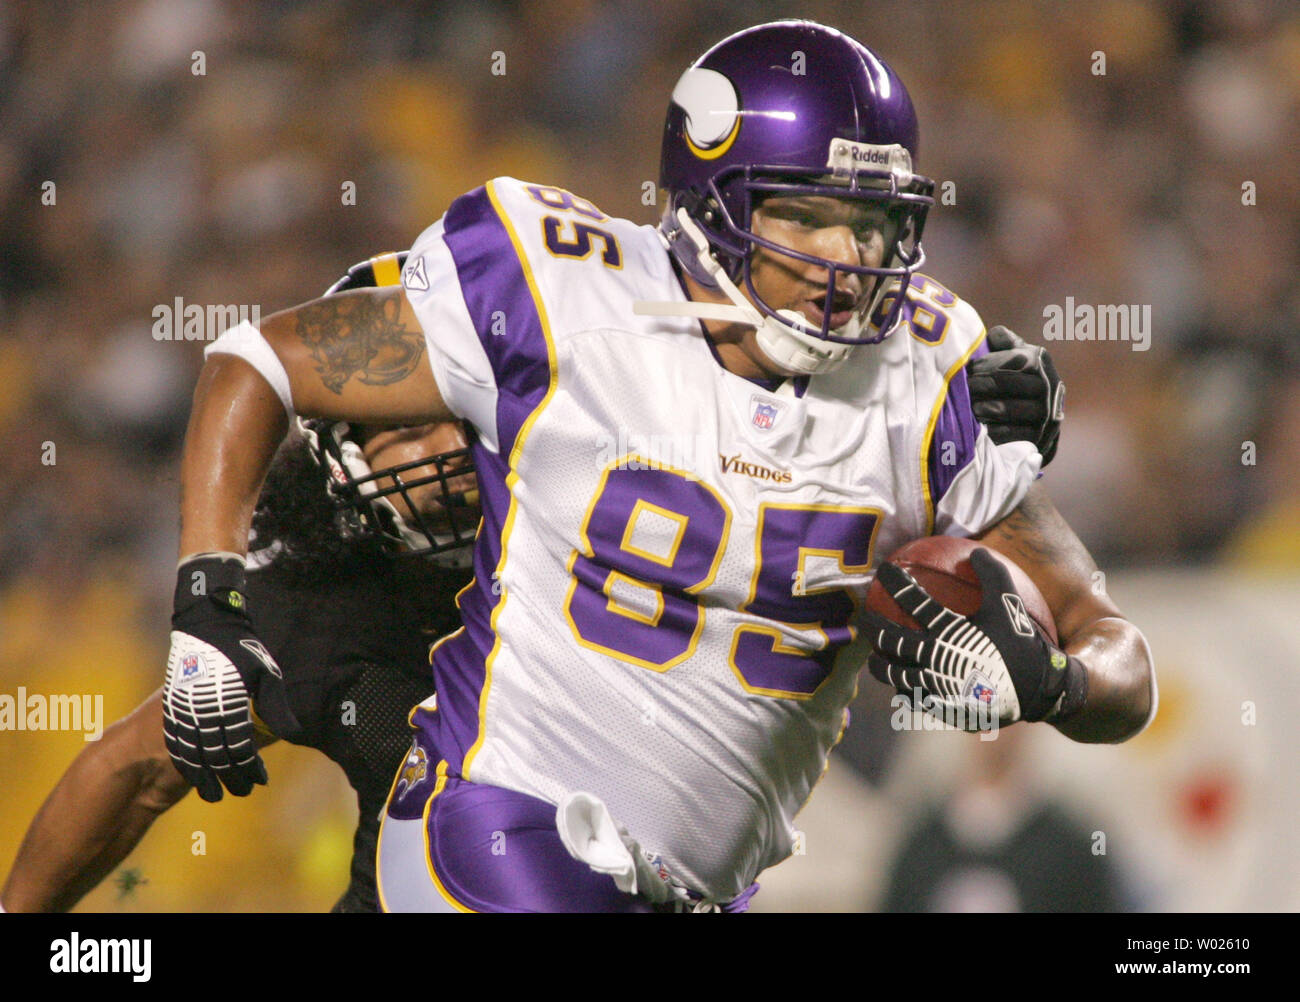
x: 350, y: 629
x: 353, y: 643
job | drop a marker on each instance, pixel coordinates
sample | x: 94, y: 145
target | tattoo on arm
x: 1036, y: 537
x: 1023, y: 532
x: 362, y: 336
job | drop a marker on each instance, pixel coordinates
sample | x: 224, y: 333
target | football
x: 941, y: 565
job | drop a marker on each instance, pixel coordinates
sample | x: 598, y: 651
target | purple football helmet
x: 792, y: 108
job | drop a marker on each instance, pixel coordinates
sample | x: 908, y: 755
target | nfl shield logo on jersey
x: 762, y: 413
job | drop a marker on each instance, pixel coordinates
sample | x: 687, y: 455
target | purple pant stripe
x: 496, y: 850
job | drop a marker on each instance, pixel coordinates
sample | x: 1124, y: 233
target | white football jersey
x: 672, y: 555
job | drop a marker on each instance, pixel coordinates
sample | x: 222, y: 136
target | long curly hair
x: 296, y: 517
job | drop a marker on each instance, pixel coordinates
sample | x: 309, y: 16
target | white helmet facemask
x: 785, y: 339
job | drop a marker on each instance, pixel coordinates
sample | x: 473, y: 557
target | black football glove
x: 1016, y: 393
x: 215, y: 663
x: 993, y: 666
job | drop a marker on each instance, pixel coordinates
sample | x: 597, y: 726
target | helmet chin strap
x: 786, y: 346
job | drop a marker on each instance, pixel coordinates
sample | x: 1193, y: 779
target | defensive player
x: 349, y: 626
x: 694, y: 445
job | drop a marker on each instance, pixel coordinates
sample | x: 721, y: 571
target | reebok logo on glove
x: 1020, y: 621
x: 255, y: 648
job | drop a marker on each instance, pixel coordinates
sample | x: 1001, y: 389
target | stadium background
x: 225, y: 188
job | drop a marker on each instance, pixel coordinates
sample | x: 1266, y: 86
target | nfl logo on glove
x: 192, y: 668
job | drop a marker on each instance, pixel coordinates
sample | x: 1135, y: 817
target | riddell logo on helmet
x: 846, y: 156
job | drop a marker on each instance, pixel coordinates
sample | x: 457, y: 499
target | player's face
x: 387, y: 447
x: 839, y: 230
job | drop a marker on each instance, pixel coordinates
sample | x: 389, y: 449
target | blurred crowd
x: 200, y: 148
x: 203, y: 149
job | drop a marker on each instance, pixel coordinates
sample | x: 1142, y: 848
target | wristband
x: 218, y: 577
x: 1073, y: 696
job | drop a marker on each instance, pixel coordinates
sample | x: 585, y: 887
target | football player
x: 349, y: 627
x: 695, y: 444
x: 361, y: 540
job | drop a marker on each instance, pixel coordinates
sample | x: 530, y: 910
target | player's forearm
x: 1119, y: 668
x: 1090, y: 625
x: 61, y: 866
x: 235, y: 426
x: 96, y: 814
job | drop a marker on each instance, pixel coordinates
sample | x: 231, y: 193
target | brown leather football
x: 941, y: 565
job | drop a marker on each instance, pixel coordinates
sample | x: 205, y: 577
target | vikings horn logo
x: 415, y: 769
x: 712, y: 111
